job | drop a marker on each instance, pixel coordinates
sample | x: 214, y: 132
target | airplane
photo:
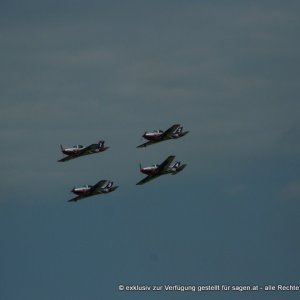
x: 174, y: 132
x: 79, y: 150
x: 101, y: 187
x: 166, y: 167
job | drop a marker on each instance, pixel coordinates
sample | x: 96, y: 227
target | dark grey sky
x: 75, y: 72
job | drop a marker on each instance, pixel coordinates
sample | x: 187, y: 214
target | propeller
x: 143, y: 136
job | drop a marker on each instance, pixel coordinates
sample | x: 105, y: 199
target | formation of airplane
x: 166, y: 167
x: 79, y: 150
x: 174, y: 132
x: 101, y: 187
x: 152, y: 172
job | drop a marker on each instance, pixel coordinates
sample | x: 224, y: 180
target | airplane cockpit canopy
x: 158, y: 131
x: 78, y: 146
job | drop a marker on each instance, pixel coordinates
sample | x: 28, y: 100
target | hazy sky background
x: 74, y: 72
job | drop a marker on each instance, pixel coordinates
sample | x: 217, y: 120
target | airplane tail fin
x: 61, y: 148
x: 179, y: 129
x: 179, y: 169
x: 109, y: 185
x: 177, y: 164
x: 101, y: 144
x: 175, y: 167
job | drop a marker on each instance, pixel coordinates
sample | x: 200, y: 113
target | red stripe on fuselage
x: 80, y: 191
x: 70, y: 151
x: 149, y: 171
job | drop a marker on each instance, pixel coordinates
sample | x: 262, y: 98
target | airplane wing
x: 72, y: 156
x: 165, y: 164
x: 168, y: 133
x: 98, y: 186
x: 78, y: 198
x: 88, y: 149
x: 148, y: 143
x: 69, y: 157
x: 148, y: 178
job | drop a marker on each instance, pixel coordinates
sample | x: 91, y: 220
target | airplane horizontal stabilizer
x: 179, y: 169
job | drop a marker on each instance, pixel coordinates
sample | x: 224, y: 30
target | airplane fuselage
x: 79, y: 150
x: 153, y: 136
x: 101, y: 187
x: 81, y: 190
x: 72, y: 151
x: 152, y: 170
